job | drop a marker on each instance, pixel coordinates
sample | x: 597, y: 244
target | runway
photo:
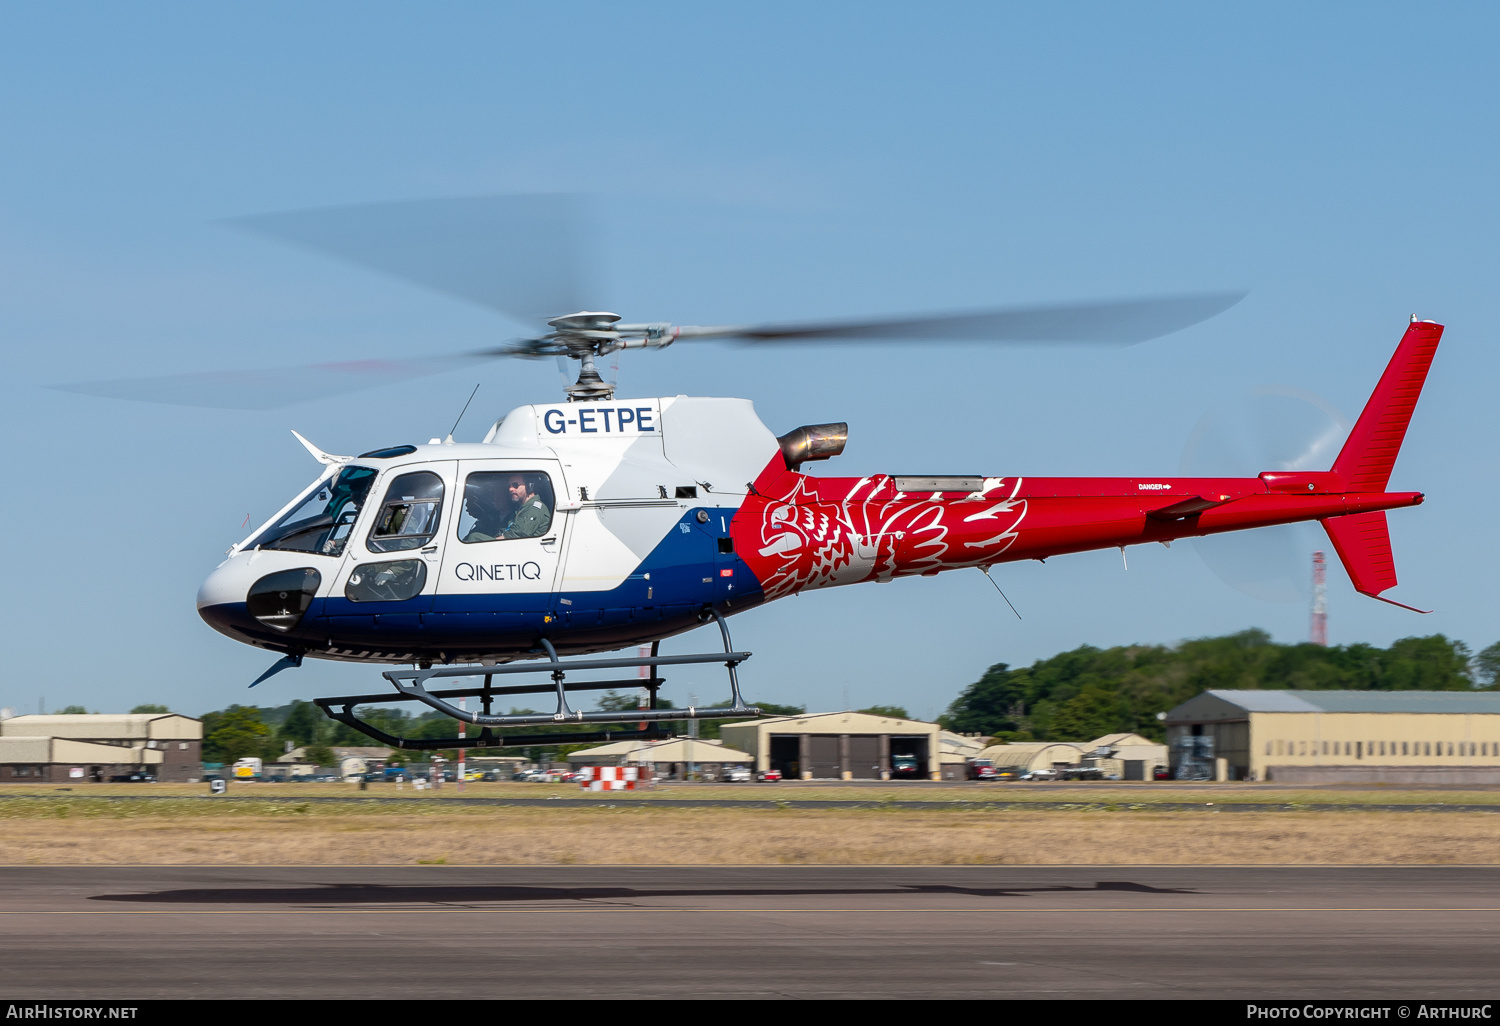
x: 445, y: 932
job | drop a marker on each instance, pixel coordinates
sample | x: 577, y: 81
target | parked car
x: 738, y: 775
x: 133, y: 778
x: 537, y: 776
x: 982, y: 769
x: 1161, y: 773
x: 769, y: 776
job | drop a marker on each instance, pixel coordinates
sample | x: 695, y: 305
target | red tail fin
x: 1364, y: 546
x: 1365, y: 462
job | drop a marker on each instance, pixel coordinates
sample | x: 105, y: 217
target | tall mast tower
x: 1320, y: 601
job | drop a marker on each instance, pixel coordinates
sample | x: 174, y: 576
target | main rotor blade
x: 1124, y: 322
x: 271, y: 387
x: 521, y: 255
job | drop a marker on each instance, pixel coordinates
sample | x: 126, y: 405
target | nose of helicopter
x: 223, y: 585
x: 259, y: 599
x: 221, y: 601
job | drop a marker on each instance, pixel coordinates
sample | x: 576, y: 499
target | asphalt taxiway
x: 749, y: 932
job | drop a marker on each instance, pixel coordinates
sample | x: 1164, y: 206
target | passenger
x: 488, y: 512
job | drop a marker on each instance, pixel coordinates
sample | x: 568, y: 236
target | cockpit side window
x: 505, y: 505
x: 321, y: 523
x: 409, y: 517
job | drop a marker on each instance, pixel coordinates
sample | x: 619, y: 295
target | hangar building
x: 1126, y: 756
x: 1396, y: 737
x: 669, y: 760
x: 1116, y: 756
x: 96, y: 747
x: 838, y: 746
x: 1030, y: 756
x: 954, y: 752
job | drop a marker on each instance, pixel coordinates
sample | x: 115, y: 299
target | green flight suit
x: 531, y: 520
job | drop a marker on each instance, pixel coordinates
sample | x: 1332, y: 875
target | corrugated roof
x: 673, y: 750
x: 958, y: 746
x: 848, y: 722
x: 1033, y: 754
x: 34, y: 749
x: 1115, y: 740
x: 104, y: 726
x: 1363, y: 701
x: 1266, y: 701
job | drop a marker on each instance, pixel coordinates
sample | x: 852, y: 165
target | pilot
x: 527, y: 515
x: 532, y: 517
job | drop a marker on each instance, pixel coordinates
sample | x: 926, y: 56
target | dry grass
x: 92, y: 832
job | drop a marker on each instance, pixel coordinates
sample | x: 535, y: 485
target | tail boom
x: 798, y: 532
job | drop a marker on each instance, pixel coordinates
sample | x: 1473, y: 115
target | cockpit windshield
x: 322, y: 521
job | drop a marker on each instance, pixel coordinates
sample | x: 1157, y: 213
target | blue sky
x: 752, y: 162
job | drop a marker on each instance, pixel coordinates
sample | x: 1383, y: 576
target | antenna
x: 986, y: 571
x: 1319, y: 635
x: 462, y: 412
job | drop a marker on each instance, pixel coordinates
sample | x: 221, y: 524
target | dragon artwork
x: 798, y: 532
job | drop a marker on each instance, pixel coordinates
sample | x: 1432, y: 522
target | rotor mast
x: 587, y: 335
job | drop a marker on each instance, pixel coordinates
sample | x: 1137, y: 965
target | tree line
x: 1090, y: 692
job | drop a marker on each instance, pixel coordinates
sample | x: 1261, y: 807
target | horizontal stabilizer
x: 1364, y: 546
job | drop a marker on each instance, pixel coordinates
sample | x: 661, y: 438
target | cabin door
x: 503, y: 550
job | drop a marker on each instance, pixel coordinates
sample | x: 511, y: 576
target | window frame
x: 373, y: 543
x: 463, y: 489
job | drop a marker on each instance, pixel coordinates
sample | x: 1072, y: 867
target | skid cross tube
x: 486, y: 737
x: 556, y: 664
x: 543, y: 689
x: 412, y: 685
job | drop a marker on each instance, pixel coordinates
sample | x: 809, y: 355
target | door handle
x: 429, y: 550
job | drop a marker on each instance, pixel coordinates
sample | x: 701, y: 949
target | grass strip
x: 98, y: 832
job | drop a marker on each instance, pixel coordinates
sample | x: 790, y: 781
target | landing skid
x: 412, y: 685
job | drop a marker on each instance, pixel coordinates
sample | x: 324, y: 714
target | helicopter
x: 597, y: 523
